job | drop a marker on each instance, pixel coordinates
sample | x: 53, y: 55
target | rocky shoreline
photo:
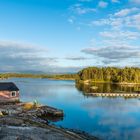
x: 30, y: 121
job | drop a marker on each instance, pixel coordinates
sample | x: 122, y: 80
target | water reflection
x: 116, y: 119
x: 107, y: 88
x: 106, y: 118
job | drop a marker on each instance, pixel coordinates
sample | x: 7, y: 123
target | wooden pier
x: 125, y: 95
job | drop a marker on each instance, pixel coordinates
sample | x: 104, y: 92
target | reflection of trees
x: 130, y: 88
x: 106, y: 88
x: 83, y: 87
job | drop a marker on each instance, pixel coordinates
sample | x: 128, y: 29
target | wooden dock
x: 126, y: 95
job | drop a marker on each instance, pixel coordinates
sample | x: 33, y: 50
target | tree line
x: 110, y: 74
x: 49, y: 76
x: 95, y: 74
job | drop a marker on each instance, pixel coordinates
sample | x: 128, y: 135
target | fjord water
x: 106, y: 118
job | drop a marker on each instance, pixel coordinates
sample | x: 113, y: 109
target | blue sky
x: 67, y: 35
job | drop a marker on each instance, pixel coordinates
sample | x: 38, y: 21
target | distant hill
x: 62, y: 70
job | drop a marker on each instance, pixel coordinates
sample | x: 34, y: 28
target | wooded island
x: 110, y: 74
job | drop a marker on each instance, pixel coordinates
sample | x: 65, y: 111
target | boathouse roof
x: 10, y: 86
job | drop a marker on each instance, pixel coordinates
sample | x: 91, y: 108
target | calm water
x: 108, y: 119
x: 107, y: 88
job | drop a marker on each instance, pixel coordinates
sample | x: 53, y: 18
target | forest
x: 110, y: 74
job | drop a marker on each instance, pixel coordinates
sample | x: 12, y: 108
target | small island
x: 115, y: 75
x: 125, y: 82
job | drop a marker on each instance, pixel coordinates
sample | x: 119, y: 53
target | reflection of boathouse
x: 9, y: 92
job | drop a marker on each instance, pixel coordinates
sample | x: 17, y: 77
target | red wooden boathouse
x: 9, y: 92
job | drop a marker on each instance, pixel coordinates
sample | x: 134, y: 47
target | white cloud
x: 22, y: 57
x: 135, y: 1
x: 114, y: 53
x: 77, y: 58
x: 118, y: 42
x: 102, y: 4
x: 133, y: 21
x: 79, y: 9
x: 125, y: 18
x: 120, y: 35
x: 118, y: 39
x: 125, y: 12
x: 19, y: 56
x: 71, y: 19
x: 111, y: 21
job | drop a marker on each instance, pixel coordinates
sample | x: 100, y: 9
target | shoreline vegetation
x: 41, y: 76
x: 90, y: 75
x: 112, y: 75
x: 90, y: 82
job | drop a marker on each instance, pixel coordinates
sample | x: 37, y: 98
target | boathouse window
x: 13, y: 93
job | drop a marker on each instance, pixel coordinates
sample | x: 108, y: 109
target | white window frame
x: 13, y: 94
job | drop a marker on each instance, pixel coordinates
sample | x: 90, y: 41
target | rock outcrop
x: 27, y: 121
